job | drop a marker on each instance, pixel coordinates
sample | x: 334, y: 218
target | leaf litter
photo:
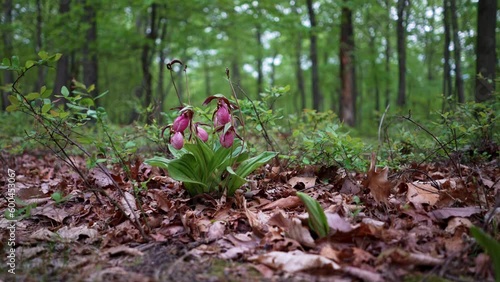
x: 381, y: 228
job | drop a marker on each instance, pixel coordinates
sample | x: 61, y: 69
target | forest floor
x: 407, y: 225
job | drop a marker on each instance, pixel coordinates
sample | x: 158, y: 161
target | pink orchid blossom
x: 202, y: 133
x: 181, y: 123
x: 227, y: 139
x: 177, y: 140
x: 222, y: 116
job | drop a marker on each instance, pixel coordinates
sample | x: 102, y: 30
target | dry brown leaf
x: 377, y: 182
x: 122, y: 249
x: 57, y: 214
x: 234, y: 252
x: 43, y: 234
x: 329, y: 252
x: 75, y: 233
x: 445, y: 213
x: 216, y: 230
x: 337, y: 223
x: 422, y: 193
x: 129, y: 205
x: 284, y: 203
x: 280, y: 220
x: 256, y: 222
x: 308, y: 181
x: 163, y: 202
x: 407, y: 258
x: 100, y: 178
x: 295, y: 261
x: 349, y: 187
x: 365, y: 275
x: 456, y: 222
x: 299, y: 233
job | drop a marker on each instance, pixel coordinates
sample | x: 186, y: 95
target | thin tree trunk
x: 429, y: 43
x: 39, y: 44
x: 347, y: 75
x: 485, y: 49
x: 260, y: 76
x: 161, y: 70
x: 401, y: 40
x: 316, y: 93
x: 90, y: 60
x: 8, y: 76
x: 459, y: 82
x: 147, y: 50
x: 387, y: 53
x: 206, y: 71
x: 447, y: 83
x: 374, y: 54
x: 299, y: 74
x: 63, y: 77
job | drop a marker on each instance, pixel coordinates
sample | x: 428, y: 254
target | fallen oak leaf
x: 422, y: 193
x: 51, y: 212
x: 377, y: 182
x: 122, y: 249
x: 401, y: 256
x: 365, y: 275
x: 295, y: 261
x: 284, y: 203
x: 299, y: 233
x: 445, y: 213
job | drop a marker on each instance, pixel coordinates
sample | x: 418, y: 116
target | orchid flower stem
x: 239, y: 108
x: 187, y: 85
x: 175, y: 87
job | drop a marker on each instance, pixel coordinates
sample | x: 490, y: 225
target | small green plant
x: 491, y: 246
x: 317, y: 218
x: 59, y: 198
x: 358, y: 203
x: 23, y: 210
x: 209, y: 165
x: 321, y: 141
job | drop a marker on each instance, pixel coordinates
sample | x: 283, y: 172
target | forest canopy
x: 351, y: 57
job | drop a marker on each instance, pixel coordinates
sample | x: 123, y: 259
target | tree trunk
x: 401, y: 37
x: 90, y: 60
x: 387, y: 52
x: 299, y: 74
x: 206, y: 71
x: 373, y: 59
x: 161, y: 70
x: 347, y: 75
x: 63, y: 76
x: 459, y: 82
x: 316, y: 93
x: 260, y: 76
x: 235, y: 71
x: 485, y: 50
x: 146, y: 58
x: 8, y: 76
x: 429, y: 42
x: 39, y: 45
x: 447, y: 83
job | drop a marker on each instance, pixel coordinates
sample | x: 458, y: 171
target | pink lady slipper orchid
x: 222, y: 115
x: 227, y: 139
x: 201, y: 133
x: 181, y: 122
x: 177, y: 140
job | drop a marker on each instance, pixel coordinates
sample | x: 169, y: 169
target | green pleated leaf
x: 317, y: 218
x: 491, y: 246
